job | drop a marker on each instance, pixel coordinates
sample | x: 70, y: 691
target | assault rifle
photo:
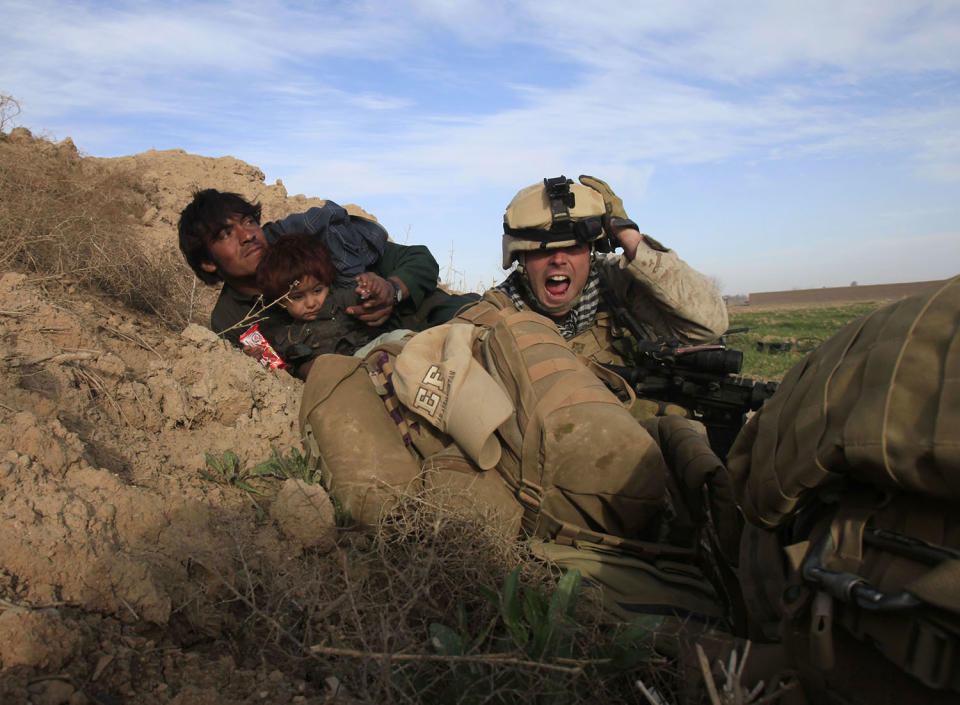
x: 702, y: 379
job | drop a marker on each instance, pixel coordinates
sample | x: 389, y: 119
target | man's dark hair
x: 203, y: 218
x: 290, y: 259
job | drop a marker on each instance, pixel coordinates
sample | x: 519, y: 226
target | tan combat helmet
x: 551, y: 214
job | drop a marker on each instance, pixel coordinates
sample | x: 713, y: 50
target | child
x: 297, y: 270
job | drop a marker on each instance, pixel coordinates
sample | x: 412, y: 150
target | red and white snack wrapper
x: 268, y: 356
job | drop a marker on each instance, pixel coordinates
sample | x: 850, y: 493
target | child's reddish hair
x: 290, y: 259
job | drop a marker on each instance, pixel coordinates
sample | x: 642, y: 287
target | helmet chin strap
x: 532, y: 299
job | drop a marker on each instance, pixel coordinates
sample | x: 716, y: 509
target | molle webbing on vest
x: 488, y: 310
x: 549, y: 367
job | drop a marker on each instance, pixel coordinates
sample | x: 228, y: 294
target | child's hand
x: 376, y: 293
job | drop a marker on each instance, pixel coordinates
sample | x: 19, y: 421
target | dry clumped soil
x: 118, y: 561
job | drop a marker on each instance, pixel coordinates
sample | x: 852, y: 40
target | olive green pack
x: 853, y: 470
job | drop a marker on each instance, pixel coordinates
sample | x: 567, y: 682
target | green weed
x: 533, y: 628
x: 293, y: 465
x: 228, y: 470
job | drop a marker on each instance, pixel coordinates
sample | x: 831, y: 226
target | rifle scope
x: 720, y: 361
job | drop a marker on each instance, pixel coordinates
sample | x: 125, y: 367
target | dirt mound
x: 171, y: 176
x: 107, y: 419
x: 116, y: 552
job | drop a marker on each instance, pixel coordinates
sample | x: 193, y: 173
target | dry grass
x: 9, y: 109
x: 71, y: 218
x: 363, y: 620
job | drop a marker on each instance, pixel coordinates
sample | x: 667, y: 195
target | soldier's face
x: 236, y: 249
x: 557, y: 276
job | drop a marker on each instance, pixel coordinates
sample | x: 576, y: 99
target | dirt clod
x: 36, y: 638
x: 304, y: 513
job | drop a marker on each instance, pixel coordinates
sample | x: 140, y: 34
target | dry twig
x: 60, y: 358
x: 708, y: 676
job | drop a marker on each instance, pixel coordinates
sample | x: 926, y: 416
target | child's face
x: 305, y: 299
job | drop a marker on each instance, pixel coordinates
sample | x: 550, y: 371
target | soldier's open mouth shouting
x: 557, y: 276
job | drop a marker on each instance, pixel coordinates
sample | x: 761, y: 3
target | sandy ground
x: 116, y: 556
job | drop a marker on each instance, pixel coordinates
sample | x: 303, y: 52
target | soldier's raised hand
x: 611, y: 201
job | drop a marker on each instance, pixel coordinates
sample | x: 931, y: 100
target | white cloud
x: 734, y: 41
x: 428, y: 100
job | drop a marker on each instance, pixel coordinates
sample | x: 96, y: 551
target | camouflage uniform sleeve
x: 668, y: 294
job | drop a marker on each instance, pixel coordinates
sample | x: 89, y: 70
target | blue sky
x: 774, y: 145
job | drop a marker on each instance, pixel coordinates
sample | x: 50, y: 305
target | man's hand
x: 614, y: 205
x: 377, y: 296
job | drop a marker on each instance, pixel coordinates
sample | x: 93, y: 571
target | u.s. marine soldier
x: 554, y: 231
x: 502, y: 399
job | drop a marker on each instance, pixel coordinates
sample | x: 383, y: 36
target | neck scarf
x: 577, y: 319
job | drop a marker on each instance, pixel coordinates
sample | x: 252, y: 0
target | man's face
x: 557, y: 276
x: 236, y: 249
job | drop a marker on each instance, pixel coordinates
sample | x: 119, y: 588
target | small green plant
x: 534, y: 630
x: 540, y: 626
x: 537, y: 625
x: 293, y: 465
x: 228, y: 470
